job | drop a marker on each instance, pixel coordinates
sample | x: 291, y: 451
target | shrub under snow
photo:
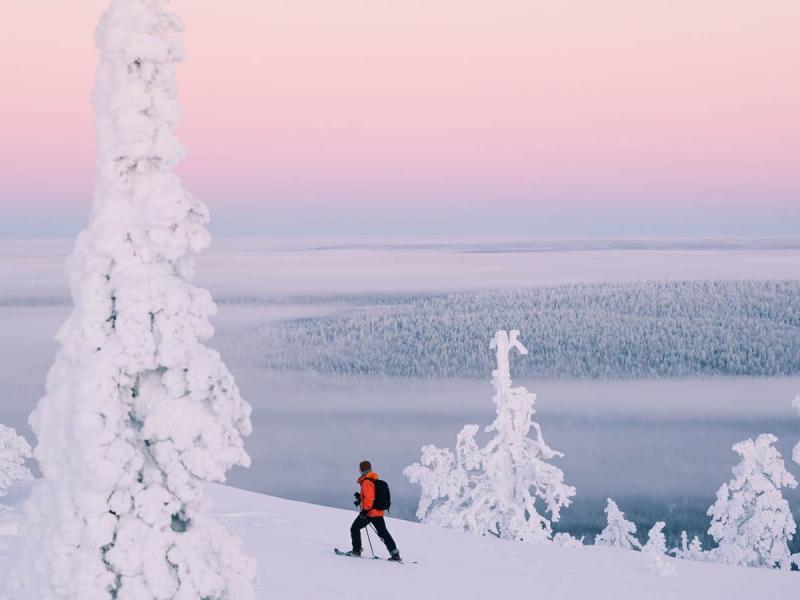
x: 139, y: 414
x: 495, y: 489
x: 14, y: 451
x: 751, y: 520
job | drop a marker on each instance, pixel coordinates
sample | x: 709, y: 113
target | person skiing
x: 371, y: 514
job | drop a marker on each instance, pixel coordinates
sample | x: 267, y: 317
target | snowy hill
x: 293, y: 544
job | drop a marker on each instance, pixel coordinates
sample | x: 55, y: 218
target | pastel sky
x: 523, y: 117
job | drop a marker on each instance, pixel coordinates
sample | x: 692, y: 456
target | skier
x: 372, y: 509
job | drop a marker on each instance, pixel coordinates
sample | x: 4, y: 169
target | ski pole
x: 370, y: 543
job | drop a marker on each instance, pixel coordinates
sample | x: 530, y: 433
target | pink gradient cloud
x: 411, y: 101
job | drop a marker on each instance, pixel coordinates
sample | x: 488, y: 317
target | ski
x: 340, y: 553
x: 401, y: 562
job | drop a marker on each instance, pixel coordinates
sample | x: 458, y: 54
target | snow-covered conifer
x: 14, y: 451
x: 618, y: 532
x: 690, y: 550
x: 656, y: 542
x: 751, y: 520
x: 494, y: 489
x: 656, y: 550
x: 796, y: 449
x: 139, y: 414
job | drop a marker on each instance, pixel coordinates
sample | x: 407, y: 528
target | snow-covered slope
x: 293, y: 544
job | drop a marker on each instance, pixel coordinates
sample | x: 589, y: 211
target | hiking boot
x: 396, y: 557
x: 354, y: 553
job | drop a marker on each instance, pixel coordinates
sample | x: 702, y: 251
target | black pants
x: 380, y: 526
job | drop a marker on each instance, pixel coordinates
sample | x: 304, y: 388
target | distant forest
x: 615, y: 330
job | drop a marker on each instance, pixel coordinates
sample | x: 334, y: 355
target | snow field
x: 293, y: 543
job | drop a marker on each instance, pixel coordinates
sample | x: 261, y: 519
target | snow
x: 293, y: 544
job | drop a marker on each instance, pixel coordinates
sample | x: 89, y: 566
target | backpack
x: 383, y: 497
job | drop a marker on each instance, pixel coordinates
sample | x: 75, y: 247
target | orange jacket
x: 368, y: 494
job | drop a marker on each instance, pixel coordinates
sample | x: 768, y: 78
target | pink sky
x: 420, y: 107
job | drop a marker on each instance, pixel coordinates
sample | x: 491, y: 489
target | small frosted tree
x: 690, y: 550
x: 618, y: 532
x: 751, y: 520
x: 656, y: 550
x: 566, y: 540
x: 14, y: 451
x: 139, y: 413
x: 494, y: 490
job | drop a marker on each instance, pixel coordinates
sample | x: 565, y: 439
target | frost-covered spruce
x: 495, y: 489
x: 139, y: 414
x: 618, y: 532
x: 656, y: 550
x: 690, y: 550
x: 751, y: 520
x: 14, y: 451
x: 796, y: 449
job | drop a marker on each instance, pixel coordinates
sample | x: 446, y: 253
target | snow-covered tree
x: 495, y: 489
x: 566, y: 540
x: 751, y: 520
x: 440, y: 480
x: 656, y: 550
x: 139, y: 414
x: 656, y: 542
x: 796, y: 449
x: 618, y: 532
x: 690, y: 550
x: 14, y: 451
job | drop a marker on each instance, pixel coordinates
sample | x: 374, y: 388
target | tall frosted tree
x: 496, y: 489
x: 751, y: 520
x: 139, y: 414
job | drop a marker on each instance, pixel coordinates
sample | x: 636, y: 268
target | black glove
x: 357, y: 496
x: 363, y: 514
